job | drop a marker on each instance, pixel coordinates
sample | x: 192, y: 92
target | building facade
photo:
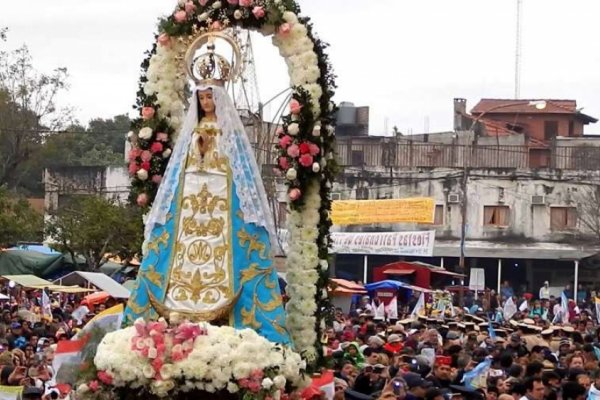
x: 511, y: 197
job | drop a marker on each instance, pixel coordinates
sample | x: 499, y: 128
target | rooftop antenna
x: 518, y: 49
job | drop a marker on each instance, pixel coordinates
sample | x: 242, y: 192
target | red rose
x: 304, y: 148
x: 146, y: 165
x: 156, y: 147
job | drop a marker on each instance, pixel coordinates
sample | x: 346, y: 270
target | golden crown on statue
x: 211, y: 68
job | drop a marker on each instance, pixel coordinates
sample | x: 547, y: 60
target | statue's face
x: 206, y: 101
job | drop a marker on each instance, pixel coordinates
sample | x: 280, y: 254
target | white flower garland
x: 218, y: 361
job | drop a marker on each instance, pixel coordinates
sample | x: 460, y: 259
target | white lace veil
x: 236, y: 146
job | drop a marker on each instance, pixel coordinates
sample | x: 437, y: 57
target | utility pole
x: 518, y: 48
x: 463, y: 230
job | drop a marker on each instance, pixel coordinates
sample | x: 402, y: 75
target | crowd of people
x: 29, y: 335
x: 541, y: 350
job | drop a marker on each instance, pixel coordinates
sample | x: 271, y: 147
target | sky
x: 407, y: 60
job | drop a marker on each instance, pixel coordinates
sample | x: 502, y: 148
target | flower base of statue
x: 188, y: 360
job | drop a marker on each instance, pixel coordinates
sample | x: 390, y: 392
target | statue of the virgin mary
x: 207, y: 248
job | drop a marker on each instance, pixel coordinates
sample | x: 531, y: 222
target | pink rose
x: 285, y: 141
x: 306, y: 160
x: 257, y: 374
x: 285, y: 29
x: 180, y: 16
x: 244, y: 382
x: 233, y: 2
x: 283, y: 163
x: 134, y: 153
x: 258, y: 12
x: 164, y: 39
x: 295, y: 107
x: 254, y: 386
x: 295, y: 194
x: 156, y: 179
x: 304, y: 148
x: 148, y: 112
x: 157, y: 364
x: 94, y: 386
x: 314, y: 149
x: 105, y: 377
x: 293, y: 151
x: 245, y: 3
x: 146, y: 165
x: 156, y: 147
x: 162, y: 137
x: 203, y: 2
x: 133, y: 168
x: 146, y: 156
x: 216, y: 26
x: 190, y: 7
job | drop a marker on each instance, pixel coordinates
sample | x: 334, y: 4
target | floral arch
x: 305, y: 142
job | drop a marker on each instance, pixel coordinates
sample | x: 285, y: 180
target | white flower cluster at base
x: 216, y: 363
x: 302, y: 274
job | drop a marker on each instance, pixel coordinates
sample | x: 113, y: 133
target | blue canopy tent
x: 393, y: 285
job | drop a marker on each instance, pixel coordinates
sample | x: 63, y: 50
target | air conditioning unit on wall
x: 538, y: 200
x: 454, y: 198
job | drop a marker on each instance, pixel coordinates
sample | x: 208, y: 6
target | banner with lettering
x: 385, y: 243
x: 392, y: 211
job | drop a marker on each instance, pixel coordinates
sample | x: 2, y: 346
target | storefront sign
x: 355, y: 212
x: 385, y: 243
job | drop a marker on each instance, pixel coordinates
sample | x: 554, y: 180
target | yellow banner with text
x: 390, y: 211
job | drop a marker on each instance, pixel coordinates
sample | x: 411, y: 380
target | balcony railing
x: 433, y: 155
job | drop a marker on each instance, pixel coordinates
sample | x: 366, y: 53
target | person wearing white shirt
x: 545, y: 291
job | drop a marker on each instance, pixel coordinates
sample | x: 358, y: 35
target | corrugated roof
x: 523, y: 106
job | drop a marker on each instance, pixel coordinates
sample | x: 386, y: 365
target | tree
x: 18, y: 221
x: 93, y: 226
x: 28, y: 111
x: 588, y: 210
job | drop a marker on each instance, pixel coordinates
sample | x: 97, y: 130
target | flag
x: 10, y: 392
x: 378, y: 311
x: 564, y: 304
x: 46, y: 306
x: 108, y: 320
x: 491, y: 331
x: 524, y: 306
x: 67, y: 359
x: 392, y: 309
x: 419, y: 306
x: 510, y: 309
x: 322, y: 384
x: 477, y: 377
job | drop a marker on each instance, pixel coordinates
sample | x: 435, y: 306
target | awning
x: 446, y: 272
x: 29, y: 281
x: 344, y: 286
x: 71, y: 289
x: 399, y: 271
x: 99, y: 280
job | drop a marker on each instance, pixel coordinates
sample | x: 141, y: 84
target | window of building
x: 358, y: 158
x: 439, y: 215
x: 496, y: 216
x: 563, y: 218
x: 550, y: 129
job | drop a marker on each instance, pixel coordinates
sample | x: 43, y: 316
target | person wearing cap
x: 416, y: 386
x: 441, y: 376
x: 394, y: 344
x: 32, y: 393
